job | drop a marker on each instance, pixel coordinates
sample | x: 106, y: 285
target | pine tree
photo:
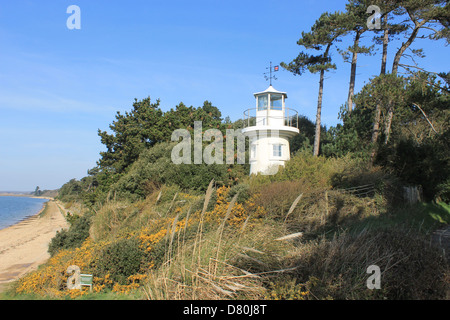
x: 356, y: 23
x: 324, y: 33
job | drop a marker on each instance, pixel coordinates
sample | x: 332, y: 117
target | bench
x: 86, y: 280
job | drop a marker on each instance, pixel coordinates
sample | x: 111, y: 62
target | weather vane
x: 270, y: 76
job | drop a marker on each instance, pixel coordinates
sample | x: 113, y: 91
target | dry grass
x: 271, y: 254
x: 410, y: 267
x: 199, y: 269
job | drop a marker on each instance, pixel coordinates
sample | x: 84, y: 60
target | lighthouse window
x: 275, y: 102
x: 277, y: 150
x: 253, y: 152
x: 262, y: 103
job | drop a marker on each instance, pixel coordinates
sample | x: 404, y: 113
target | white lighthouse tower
x: 269, y: 127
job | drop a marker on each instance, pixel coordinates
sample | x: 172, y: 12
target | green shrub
x: 74, y: 236
x: 319, y: 172
x: 426, y: 163
x: 244, y: 192
x: 155, y: 168
x: 120, y: 260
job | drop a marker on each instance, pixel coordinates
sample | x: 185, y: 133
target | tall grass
x: 200, y: 269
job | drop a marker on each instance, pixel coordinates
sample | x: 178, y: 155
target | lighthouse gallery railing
x: 290, y: 117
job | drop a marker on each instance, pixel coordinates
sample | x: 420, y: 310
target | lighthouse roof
x: 270, y: 89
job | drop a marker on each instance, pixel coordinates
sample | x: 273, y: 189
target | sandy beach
x: 23, y: 246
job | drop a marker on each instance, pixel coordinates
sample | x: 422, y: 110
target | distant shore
x: 23, y: 246
x: 6, y: 194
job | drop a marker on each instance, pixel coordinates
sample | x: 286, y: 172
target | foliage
x: 144, y: 126
x: 417, y: 151
x: 350, y: 138
x: 120, y: 260
x: 72, y: 237
x: 155, y: 168
x: 304, y: 140
x: 426, y: 164
x: 50, y: 280
x: 288, y: 289
x: 315, y: 172
x: 169, y: 247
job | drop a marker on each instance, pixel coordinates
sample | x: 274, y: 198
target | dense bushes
x: 73, y: 237
x: 400, y: 124
x: 155, y: 168
x: 120, y: 260
x: 426, y: 164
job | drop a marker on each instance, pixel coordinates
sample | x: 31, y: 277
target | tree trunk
x: 318, y: 115
x: 376, y: 122
x: 385, y: 46
x: 351, y: 88
x: 405, y: 45
x: 319, y: 106
x: 387, y: 127
x: 398, y: 55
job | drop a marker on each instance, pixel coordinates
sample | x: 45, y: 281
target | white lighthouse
x: 269, y: 127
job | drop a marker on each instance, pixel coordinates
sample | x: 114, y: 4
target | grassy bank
x: 297, y: 235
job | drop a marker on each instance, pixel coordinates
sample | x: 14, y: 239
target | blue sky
x: 59, y: 86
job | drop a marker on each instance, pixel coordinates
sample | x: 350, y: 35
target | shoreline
x: 25, y: 196
x: 44, y: 205
x: 24, y: 219
x: 24, y: 245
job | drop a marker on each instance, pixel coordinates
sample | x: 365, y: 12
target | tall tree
x: 421, y: 14
x: 325, y: 31
x: 132, y: 132
x: 144, y: 126
x: 389, y: 29
x: 356, y: 23
x: 37, y: 191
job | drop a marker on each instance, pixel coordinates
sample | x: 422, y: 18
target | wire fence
x: 359, y: 191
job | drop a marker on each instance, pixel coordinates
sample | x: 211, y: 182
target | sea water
x: 16, y: 209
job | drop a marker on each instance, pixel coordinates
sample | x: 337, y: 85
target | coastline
x: 44, y: 205
x: 23, y: 245
x: 5, y: 194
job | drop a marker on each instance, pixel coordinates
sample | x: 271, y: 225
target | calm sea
x: 15, y: 209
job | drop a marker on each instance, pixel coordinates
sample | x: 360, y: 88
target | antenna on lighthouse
x: 268, y: 75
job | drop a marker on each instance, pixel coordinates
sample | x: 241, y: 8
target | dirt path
x: 23, y: 246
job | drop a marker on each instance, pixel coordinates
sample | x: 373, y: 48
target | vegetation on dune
x: 230, y: 242
x: 147, y: 228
